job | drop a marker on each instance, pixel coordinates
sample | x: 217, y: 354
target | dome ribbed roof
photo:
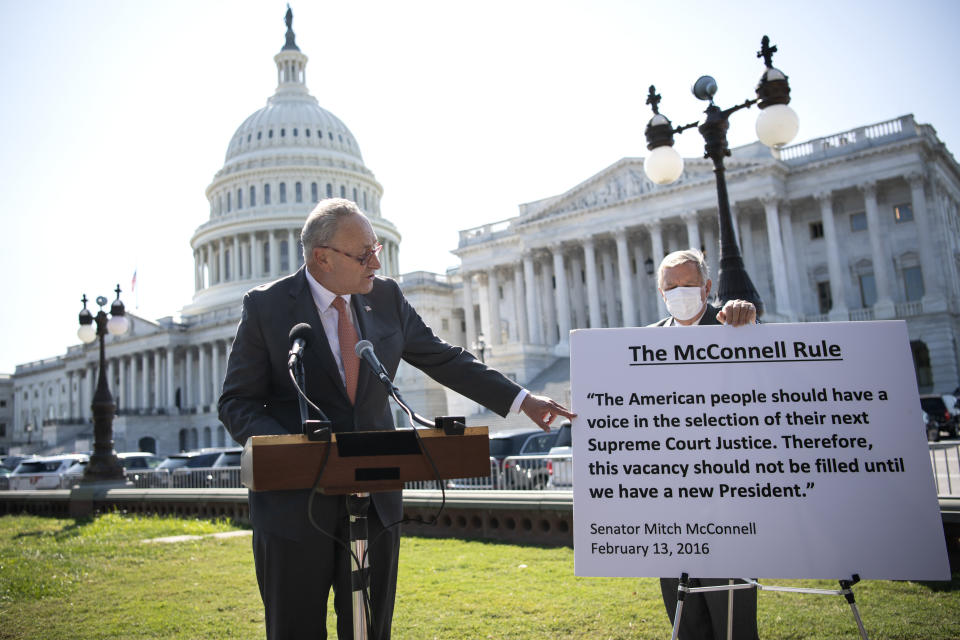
x: 295, y: 122
x: 292, y: 119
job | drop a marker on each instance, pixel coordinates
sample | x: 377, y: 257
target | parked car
x: 931, y: 427
x: 7, y: 465
x: 184, y: 467
x: 560, y: 465
x: 45, y: 472
x: 519, y: 472
x: 132, y: 461
x: 942, y: 409
x: 502, y: 446
x: 226, y: 469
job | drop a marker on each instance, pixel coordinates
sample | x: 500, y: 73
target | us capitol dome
x: 283, y: 159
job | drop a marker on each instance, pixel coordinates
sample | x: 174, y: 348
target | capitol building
x: 166, y: 374
x: 860, y: 225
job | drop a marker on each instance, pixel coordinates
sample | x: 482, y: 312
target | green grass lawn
x: 96, y: 579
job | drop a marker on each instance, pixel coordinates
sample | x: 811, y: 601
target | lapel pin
x: 366, y: 308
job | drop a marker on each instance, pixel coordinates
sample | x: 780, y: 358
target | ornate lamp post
x: 776, y: 126
x: 104, y: 466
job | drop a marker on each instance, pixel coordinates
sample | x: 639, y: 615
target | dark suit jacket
x: 709, y: 317
x: 260, y: 399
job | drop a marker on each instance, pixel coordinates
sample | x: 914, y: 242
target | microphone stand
x: 315, y: 430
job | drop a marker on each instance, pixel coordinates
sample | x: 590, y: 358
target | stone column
x: 470, y: 322
x: 609, y: 286
x: 215, y: 378
x: 157, y: 379
x: 777, y: 257
x: 530, y: 291
x: 144, y: 381
x: 197, y: 271
x: 562, y: 296
x: 519, y: 305
x: 234, y: 262
x: 790, y: 251
x: 204, y: 388
x: 245, y: 257
x: 883, y: 308
x: 256, y: 262
x: 274, y: 254
x: 549, y: 302
x: 70, y: 397
x: 713, y: 254
x: 838, y: 292
x: 578, y: 291
x: 187, y: 396
x: 656, y: 243
x: 641, y: 291
x: 593, y: 282
x: 171, y: 391
x: 493, y: 306
x: 627, y: 304
x: 932, y: 292
x: 693, y: 230
x: 221, y: 261
x: 293, y: 263
x: 120, y: 397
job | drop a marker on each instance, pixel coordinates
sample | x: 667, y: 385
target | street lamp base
x: 84, y: 495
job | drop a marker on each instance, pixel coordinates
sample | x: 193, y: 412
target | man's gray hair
x: 321, y: 224
x: 680, y: 257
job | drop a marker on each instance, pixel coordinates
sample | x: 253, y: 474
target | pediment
x: 618, y: 183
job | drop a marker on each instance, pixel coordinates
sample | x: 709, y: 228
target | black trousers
x: 704, y: 615
x: 295, y: 578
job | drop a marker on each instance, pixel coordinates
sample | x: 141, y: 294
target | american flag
x: 133, y: 281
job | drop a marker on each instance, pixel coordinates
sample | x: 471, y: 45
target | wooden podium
x: 363, y: 461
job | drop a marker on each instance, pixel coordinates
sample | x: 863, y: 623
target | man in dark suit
x: 682, y: 281
x: 339, y: 295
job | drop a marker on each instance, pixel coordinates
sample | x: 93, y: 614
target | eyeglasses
x: 364, y: 259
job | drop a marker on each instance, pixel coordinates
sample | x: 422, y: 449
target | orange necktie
x: 347, y: 335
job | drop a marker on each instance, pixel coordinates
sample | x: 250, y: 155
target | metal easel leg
x: 845, y: 587
x: 730, y: 612
x: 357, y: 506
x: 681, y: 594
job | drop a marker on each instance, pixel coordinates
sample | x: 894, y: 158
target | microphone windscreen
x: 302, y: 331
x: 362, y: 346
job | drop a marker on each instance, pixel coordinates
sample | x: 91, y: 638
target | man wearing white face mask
x: 682, y: 281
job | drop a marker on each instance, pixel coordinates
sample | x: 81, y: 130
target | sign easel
x: 683, y: 588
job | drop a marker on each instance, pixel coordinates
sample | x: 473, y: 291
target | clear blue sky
x: 115, y: 115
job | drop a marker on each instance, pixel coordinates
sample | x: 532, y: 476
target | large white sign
x: 772, y: 451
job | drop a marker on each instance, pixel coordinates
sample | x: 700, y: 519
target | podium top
x: 299, y: 438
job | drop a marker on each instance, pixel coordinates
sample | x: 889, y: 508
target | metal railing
x: 518, y: 473
x: 205, y: 478
x: 945, y: 461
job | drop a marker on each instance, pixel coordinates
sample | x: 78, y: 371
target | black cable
x: 303, y: 395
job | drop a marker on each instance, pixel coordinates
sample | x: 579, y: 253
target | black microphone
x: 364, y: 349
x: 299, y: 338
